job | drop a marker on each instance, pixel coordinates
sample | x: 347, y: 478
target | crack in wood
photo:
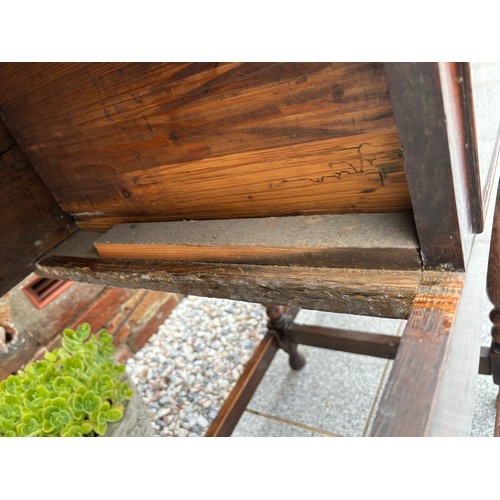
x: 8, y: 149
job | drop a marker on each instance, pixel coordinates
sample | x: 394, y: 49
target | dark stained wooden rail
x: 431, y: 105
x: 368, y: 344
x: 407, y: 406
x: 240, y: 396
x: 462, y: 85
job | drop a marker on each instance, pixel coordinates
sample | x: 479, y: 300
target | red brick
x: 147, y: 308
x: 104, y: 309
x: 121, y: 321
x: 62, y: 313
x: 121, y: 336
x: 129, y: 306
x: 113, y: 323
x: 155, y: 318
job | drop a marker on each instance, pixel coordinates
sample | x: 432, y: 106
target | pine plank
x: 120, y: 142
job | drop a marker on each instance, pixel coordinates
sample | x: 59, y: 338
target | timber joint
x: 278, y: 324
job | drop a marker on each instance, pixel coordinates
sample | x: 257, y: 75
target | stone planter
x: 135, y: 421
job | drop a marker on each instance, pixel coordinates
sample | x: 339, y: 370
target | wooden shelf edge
x: 355, y: 291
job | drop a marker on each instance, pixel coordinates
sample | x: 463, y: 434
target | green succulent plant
x: 75, y: 390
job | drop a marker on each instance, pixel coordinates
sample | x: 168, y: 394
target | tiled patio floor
x: 336, y: 394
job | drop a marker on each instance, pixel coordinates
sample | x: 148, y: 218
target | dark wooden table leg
x: 276, y: 337
x: 277, y: 324
x: 493, y: 288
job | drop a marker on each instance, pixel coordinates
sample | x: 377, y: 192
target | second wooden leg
x: 278, y: 321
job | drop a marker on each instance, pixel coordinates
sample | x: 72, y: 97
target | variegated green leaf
x: 72, y: 431
x: 83, y: 332
x: 101, y: 428
x: 91, y: 402
x: 51, y: 357
x: 114, y: 415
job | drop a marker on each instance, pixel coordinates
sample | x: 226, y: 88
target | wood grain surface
x: 122, y: 142
x: 407, y: 406
x: 356, y: 291
x: 31, y: 223
x: 370, y: 241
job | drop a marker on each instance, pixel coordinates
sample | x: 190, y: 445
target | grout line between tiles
x: 292, y: 423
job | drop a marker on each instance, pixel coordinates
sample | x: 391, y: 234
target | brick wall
x: 131, y: 317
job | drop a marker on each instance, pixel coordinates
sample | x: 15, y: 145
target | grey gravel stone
x: 188, y: 368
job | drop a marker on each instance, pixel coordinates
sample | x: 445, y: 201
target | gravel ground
x: 187, y: 369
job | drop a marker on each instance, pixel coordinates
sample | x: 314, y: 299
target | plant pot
x: 135, y: 421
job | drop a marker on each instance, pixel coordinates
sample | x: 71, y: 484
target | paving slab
x: 333, y: 392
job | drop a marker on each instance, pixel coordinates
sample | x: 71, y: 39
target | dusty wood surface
x: 356, y: 291
x: 370, y: 241
x: 123, y: 142
x: 234, y: 406
x: 407, y: 405
x: 432, y: 158
x: 30, y: 220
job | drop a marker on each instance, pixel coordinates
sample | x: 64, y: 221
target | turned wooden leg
x: 493, y: 288
x: 277, y: 324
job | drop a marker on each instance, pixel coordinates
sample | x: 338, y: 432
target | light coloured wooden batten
x: 384, y: 293
x: 374, y: 241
